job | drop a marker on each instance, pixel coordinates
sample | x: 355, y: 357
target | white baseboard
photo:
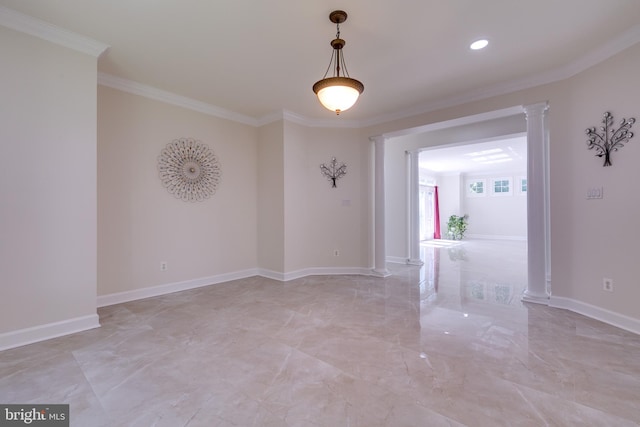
x: 168, y: 288
x: 397, y: 260
x: 496, y: 237
x: 47, y: 331
x: 615, y: 319
x: 328, y: 271
x: 66, y: 327
x: 313, y: 271
x: 270, y: 274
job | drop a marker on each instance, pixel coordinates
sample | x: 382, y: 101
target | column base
x: 536, y: 299
x: 380, y: 273
x: 413, y: 261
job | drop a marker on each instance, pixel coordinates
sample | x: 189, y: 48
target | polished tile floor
x: 447, y: 344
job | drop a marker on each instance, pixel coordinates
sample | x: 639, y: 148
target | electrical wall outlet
x: 607, y: 284
x: 595, y: 193
x: 163, y: 266
x: 336, y: 252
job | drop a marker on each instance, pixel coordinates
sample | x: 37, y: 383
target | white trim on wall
x: 35, y: 27
x: 47, y: 331
x: 397, y: 260
x: 29, y: 25
x: 596, y: 56
x: 615, y: 319
x: 322, y: 271
x: 496, y: 237
x: 600, y: 54
x: 168, y: 288
x: 156, y: 94
x: 57, y: 329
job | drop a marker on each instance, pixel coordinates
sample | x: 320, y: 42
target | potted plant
x: 456, y: 226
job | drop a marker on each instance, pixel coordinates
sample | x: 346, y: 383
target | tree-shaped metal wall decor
x: 610, y: 139
x: 333, y: 172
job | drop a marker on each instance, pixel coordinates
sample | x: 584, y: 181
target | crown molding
x: 154, y: 93
x: 35, y: 27
x: 151, y: 92
x: 336, y: 122
x: 594, y: 57
x: 271, y: 117
x: 600, y: 54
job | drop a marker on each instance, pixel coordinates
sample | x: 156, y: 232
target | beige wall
x: 495, y: 216
x: 141, y: 225
x: 271, y: 197
x: 273, y: 210
x: 450, y: 199
x: 589, y: 239
x: 598, y: 238
x: 273, y: 213
x: 320, y: 219
x: 47, y: 183
x: 396, y: 199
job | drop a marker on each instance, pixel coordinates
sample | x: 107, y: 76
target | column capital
x: 535, y: 109
x: 377, y: 139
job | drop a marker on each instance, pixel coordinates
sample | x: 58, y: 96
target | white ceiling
x: 506, y: 154
x: 258, y: 58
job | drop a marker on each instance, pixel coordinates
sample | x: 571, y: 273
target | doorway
x: 426, y: 201
x: 538, y: 251
x: 484, y: 180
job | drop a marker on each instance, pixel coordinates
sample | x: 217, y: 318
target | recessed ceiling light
x: 479, y: 44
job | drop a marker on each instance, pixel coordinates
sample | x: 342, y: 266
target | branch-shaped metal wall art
x: 610, y: 139
x: 333, y: 172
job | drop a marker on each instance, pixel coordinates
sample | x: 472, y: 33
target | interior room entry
x: 427, y: 209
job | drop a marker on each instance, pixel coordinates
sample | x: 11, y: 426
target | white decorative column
x: 537, y: 204
x: 414, y: 209
x: 380, y: 257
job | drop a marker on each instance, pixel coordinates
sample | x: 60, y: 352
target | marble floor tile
x: 446, y: 344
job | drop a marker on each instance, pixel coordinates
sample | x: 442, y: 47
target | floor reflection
x: 474, y: 272
x: 449, y: 343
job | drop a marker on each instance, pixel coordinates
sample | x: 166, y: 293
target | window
x: 501, y: 187
x: 522, y: 185
x: 476, y: 187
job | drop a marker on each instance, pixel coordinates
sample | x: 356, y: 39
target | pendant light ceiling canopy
x: 338, y: 92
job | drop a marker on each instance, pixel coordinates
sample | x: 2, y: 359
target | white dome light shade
x: 479, y: 44
x: 338, y: 93
x: 338, y: 98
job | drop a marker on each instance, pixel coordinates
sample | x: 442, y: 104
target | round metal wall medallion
x: 189, y: 170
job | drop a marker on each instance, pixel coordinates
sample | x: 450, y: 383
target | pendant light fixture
x: 339, y: 92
